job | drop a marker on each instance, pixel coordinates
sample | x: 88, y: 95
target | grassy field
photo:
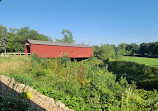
x: 142, y: 60
x: 14, y: 64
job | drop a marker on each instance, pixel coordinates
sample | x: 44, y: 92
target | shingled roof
x: 56, y: 43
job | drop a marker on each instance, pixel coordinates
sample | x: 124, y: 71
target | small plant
x: 25, y: 95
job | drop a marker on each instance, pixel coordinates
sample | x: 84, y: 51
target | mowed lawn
x: 142, y: 60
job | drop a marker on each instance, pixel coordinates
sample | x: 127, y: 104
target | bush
x: 145, y: 76
x: 35, y: 58
x: 40, y: 73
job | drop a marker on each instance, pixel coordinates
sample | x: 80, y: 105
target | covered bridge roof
x: 56, y: 43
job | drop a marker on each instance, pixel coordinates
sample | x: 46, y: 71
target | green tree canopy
x: 149, y: 49
x: 3, y: 38
x: 67, y: 37
x: 16, y: 38
x: 105, y: 51
x: 128, y: 49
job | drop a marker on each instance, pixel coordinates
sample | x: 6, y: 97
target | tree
x: 149, y: 49
x: 104, y: 52
x: 17, y: 38
x: 128, y: 49
x: 132, y: 49
x: 67, y: 37
x: 122, y: 47
x: 96, y: 51
x: 143, y: 49
x: 3, y: 38
x: 118, y: 53
x: 107, y: 51
x: 13, y: 40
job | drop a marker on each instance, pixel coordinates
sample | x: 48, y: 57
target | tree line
x: 107, y: 51
x: 144, y: 49
x: 12, y: 39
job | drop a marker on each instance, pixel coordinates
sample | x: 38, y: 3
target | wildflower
x: 25, y: 95
x: 83, y: 82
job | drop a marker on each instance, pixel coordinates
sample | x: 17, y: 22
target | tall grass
x: 14, y: 64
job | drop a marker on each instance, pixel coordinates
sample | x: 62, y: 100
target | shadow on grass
x: 142, y: 56
x: 10, y: 100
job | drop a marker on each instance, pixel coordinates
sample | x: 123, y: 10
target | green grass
x: 142, y: 60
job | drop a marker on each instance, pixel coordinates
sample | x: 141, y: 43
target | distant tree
x: 143, y: 49
x: 26, y: 33
x: 128, y: 49
x: 132, y: 49
x: 20, y: 35
x: 104, y: 52
x: 96, y: 51
x: 122, y: 47
x: 149, y: 49
x: 3, y: 38
x: 13, y: 40
x: 155, y: 49
x: 118, y: 53
x: 67, y: 37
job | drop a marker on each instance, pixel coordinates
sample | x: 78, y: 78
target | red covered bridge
x: 54, y: 49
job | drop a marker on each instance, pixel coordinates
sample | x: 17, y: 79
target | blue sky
x: 92, y: 22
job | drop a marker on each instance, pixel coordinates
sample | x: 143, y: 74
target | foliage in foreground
x: 84, y: 85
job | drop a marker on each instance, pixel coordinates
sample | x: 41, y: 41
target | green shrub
x: 35, y: 58
x: 40, y: 73
x: 145, y: 76
x: 63, y: 59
